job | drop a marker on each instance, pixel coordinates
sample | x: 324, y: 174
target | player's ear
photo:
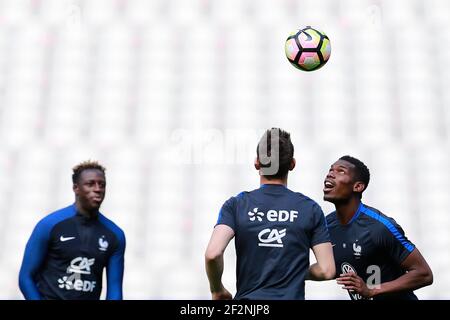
x: 75, y: 188
x: 359, y: 187
x: 257, y: 164
x: 292, y: 165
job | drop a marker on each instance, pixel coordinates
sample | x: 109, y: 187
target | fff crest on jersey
x: 102, y: 244
x: 357, y: 250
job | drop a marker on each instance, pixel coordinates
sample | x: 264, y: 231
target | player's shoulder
x: 384, y: 227
x: 377, y: 219
x: 305, y: 202
x: 331, y: 218
x: 241, y: 196
x: 112, y: 226
x: 304, y: 198
x: 55, y: 217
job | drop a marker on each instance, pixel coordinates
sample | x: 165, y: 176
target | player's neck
x: 346, y: 210
x: 264, y: 180
x: 84, y: 212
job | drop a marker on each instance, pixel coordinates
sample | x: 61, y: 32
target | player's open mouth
x: 328, y: 186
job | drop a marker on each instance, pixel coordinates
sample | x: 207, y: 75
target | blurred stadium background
x: 172, y: 96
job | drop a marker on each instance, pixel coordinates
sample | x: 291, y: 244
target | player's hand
x: 223, y: 294
x: 351, y: 281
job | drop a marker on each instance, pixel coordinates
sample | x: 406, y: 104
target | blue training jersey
x: 66, y: 254
x: 373, y: 246
x: 274, y: 231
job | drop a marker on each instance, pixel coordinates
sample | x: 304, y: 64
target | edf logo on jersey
x: 78, y: 266
x: 274, y: 215
x: 272, y: 237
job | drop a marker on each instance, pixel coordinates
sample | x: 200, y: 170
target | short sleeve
x: 319, y: 232
x: 227, y: 214
x: 393, y: 240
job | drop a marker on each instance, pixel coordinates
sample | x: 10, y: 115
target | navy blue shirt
x: 372, y: 245
x: 66, y: 254
x: 274, y: 230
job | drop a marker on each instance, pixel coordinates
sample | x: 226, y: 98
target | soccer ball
x: 307, y: 49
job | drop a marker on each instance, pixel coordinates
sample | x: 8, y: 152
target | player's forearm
x: 114, y: 273
x: 317, y: 272
x: 324, y: 268
x: 410, y: 281
x: 28, y: 287
x: 115, y: 294
x: 114, y: 291
x: 27, y: 273
x: 214, y: 271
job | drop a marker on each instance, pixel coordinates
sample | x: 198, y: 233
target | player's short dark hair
x: 85, y: 165
x: 285, y: 152
x: 361, y: 171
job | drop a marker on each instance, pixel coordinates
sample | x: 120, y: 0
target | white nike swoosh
x: 62, y: 239
x: 333, y: 244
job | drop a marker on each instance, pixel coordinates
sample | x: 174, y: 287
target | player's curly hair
x: 85, y: 165
x: 285, y: 152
